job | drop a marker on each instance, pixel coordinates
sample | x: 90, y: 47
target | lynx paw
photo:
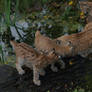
x: 21, y: 72
x: 37, y: 82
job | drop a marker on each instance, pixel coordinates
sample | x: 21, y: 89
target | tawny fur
x: 26, y: 55
x: 81, y: 42
x: 88, y: 27
x: 43, y: 43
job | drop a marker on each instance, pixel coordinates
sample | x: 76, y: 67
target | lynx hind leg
x: 36, y: 76
x: 54, y: 68
x: 42, y: 72
x: 19, y: 65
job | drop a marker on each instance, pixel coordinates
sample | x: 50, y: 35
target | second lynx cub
x: 26, y: 55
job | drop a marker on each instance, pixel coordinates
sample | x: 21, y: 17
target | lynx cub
x: 26, y: 55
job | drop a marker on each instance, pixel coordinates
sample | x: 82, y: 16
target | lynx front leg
x: 36, y: 76
x: 54, y: 68
x: 19, y: 65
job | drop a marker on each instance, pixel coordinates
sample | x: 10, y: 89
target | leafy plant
x: 7, y: 12
x: 80, y: 90
x: 1, y: 55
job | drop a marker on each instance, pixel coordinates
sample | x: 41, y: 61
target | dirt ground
x: 63, y: 81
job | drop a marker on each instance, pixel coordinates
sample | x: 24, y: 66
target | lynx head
x: 65, y: 47
x: 52, y: 54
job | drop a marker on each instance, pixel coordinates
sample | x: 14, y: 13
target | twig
x: 18, y: 32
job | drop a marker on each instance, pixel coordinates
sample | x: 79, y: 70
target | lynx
x: 81, y: 42
x: 45, y: 44
x: 26, y: 55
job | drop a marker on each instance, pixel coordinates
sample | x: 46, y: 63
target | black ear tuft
x: 12, y: 38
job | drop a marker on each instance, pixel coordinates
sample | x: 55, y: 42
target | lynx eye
x: 58, y: 42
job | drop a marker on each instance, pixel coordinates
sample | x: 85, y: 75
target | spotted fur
x: 26, y: 55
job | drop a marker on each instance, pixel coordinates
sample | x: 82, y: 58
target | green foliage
x: 1, y: 55
x: 53, y: 24
x: 7, y: 11
x: 30, y: 5
x: 16, y: 12
x: 44, y: 1
x: 1, y: 6
x: 24, y: 4
x: 48, y: 91
x: 80, y: 90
